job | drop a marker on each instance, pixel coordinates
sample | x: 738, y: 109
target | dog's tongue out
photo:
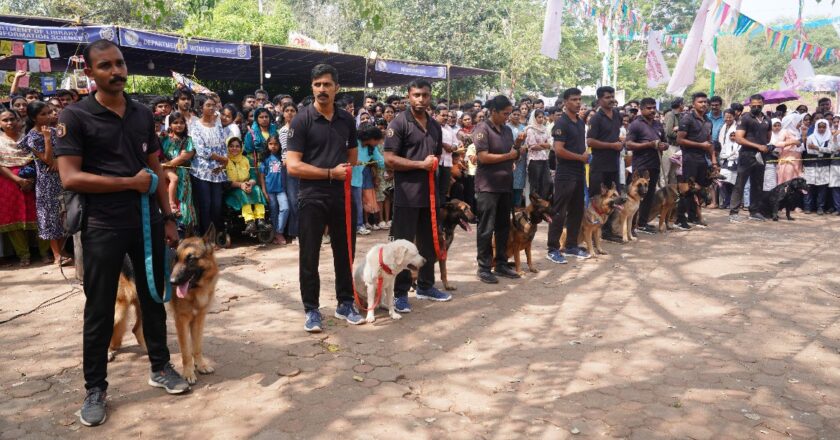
x: 182, y: 289
x: 466, y: 226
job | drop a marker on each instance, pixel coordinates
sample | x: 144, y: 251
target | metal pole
x: 261, y: 67
x: 615, y: 64
x: 448, y: 84
x: 712, y: 87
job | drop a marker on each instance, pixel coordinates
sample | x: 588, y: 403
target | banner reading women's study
x: 168, y: 43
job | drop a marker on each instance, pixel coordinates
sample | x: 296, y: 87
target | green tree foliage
x: 240, y: 20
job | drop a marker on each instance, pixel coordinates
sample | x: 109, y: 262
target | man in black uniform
x: 322, y: 145
x: 568, y: 204
x: 104, y: 145
x: 603, y: 139
x: 753, y: 135
x: 646, y: 139
x: 413, y: 143
x: 694, y: 137
x: 496, y: 151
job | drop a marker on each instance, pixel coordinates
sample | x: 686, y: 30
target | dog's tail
x: 127, y: 268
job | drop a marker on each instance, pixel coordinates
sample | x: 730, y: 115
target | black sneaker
x: 93, y: 410
x: 820, y: 212
x: 647, y: 229
x: 503, y: 270
x: 683, y: 226
x: 169, y: 379
x: 250, y: 227
x: 700, y: 224
x: 486, y: 277
x: 757, y: 217
x: 613, y: 238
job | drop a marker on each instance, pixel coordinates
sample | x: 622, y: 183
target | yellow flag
x: 5, y: 47
x: 40, y: 50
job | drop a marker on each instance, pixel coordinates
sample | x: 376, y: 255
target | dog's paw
x: 633, y: 238
x: 112, y: 354
x: 790, y: 219
x: 601, y: 252
x: 449, y: 287
x: 205, y: 369
x: 370, y: 319
x: 533, y: 270
x: 395, y: 315
x: 189, y: 376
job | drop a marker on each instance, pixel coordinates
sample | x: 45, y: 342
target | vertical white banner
x: 657, y: 70
x: 551, y: 29
x: 684, y: 71
x: 797, y: 71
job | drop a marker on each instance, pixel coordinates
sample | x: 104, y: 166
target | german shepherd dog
x: 666, y: 200
x: 596, y: 215
x: 454, y: 213
x: 636, y: 191
x: 523, y: 228
x: 787, y: 196
x: 194, y: 277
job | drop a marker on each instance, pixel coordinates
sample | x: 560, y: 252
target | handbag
x: 73, y: 210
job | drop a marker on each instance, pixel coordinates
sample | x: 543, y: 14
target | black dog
x: 787, y: 195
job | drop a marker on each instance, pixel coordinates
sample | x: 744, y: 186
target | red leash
x: 348, y: 222
x: 440, y: 253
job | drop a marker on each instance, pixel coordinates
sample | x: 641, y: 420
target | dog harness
x: 147, y: 246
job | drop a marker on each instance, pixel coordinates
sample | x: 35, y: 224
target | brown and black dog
x: 595, y: 216
x: 666, y: 200
x: 194, y: 277
x: 636, y: 191
x: 523, y: 228
x: 454, y: 213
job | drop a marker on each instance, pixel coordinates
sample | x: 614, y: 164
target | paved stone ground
x: 730, y: 332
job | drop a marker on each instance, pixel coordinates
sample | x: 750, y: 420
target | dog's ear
x: 604, y: 189
x: 533, y: 197
x: 612, y: 186
x: 189, y: 231
x: 399, y: 255
x: 646, y: 174
x: 210, y: 236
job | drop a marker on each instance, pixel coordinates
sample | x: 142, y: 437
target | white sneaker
x: 362, y: 231
x: 325, y: 239
x: 383, y: 225
x: 373, y: 227
x: 388, y: 223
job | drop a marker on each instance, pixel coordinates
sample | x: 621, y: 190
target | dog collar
x: 598, y: 211
x: 382, y: 264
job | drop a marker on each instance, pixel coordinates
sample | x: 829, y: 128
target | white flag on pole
x: 551, y: 29
x: 684, y: 71
x: 797, y: 71
x: 657, y: 70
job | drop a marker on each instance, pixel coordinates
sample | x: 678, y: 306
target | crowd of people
x: 282, y: 164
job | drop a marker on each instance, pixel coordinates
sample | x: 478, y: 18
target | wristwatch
x: 170, y: 217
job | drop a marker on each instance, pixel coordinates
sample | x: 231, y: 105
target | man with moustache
x: 413, y: 143
x: 322, y: 146
x: 107, y: 148
x: 646, y: 139
x: 694, y: 136
x: 753, y: 135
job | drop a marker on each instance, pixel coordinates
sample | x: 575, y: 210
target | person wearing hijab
x: 728, y: 158
x: 834, y: 169
x: 790, y: 164
x: 781, y: 138
x: 817, y: 155
x: 538, y: 143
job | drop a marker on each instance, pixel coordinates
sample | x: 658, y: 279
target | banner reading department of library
x: 168, y: 43
x: 437, y: 72
x: 69, y: 34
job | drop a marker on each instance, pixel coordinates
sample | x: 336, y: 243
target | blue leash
x: 147, y: 246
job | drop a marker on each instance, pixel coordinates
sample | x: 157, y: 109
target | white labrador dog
x: 386, y: 261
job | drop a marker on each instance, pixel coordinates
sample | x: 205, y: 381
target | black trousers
x: 209, y: 203
x: 494, y: 210
x: 315, y: 215
x: 699, y: 170
x: 647, y: 201
x: 103, y: 253
x: 748, y: 169
x: 469, y: 192
x: 597, y: 177
x: 415, y: 225
x: 567, y: 207
x: 539, y: 178
x: 442, y: 186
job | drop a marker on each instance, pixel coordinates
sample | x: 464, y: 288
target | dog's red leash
x: 440, y: 253
x: 348, y: 222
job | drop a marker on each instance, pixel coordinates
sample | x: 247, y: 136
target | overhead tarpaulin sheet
x: 56, y: 34
x: 400, y: 68
x: 169, y: 43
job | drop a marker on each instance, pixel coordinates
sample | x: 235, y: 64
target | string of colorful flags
x: 31, y: 57
x: 628, y: 25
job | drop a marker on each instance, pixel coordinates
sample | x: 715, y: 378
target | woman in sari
x: 790, y: 164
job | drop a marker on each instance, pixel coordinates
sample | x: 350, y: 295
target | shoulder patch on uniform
x: 60, y: 130
x: 389, y: 132
x: 479, y: 136
x: 557, y: 132
x: 291, y: 133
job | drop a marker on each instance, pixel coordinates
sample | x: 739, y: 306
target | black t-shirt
x: 497, y: 177
x: 406, y: 138
x: 756, y: 130
x: 604, y: 129
x: 640, y: 131
x: 572, y: 133
x: 697, y: 130
x: 324, y: 144
x: 112, y: 146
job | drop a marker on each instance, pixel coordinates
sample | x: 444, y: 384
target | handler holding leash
x: 105, y: 146
x: 322, y: 145
x: 413, y: 143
